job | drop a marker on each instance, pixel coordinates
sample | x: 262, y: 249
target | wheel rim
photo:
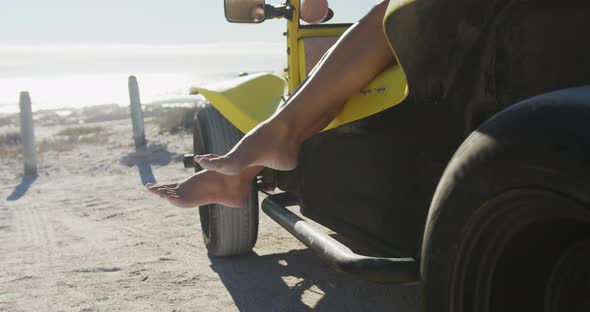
x: 510, y: 250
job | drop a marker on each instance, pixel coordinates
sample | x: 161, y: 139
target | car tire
x: 509, y: 225
x: 226, y: 231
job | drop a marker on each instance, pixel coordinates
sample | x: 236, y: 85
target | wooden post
x: 136, y: 113
x: 27, y: 134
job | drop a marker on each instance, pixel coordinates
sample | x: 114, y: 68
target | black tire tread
x: 230, y: 231
x: 541, y: 144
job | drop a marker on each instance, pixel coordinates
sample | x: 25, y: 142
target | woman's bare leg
x: 359, y: 56
x: 207, y: 187
x: 351, y: 64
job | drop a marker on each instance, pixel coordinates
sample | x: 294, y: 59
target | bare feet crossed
x: 269, y: 144
x: 275, y: 143
x: 205, y: 187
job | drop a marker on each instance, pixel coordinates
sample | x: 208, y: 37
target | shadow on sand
x: 144, y: 158
x: 146, y: 174
x: 22, y: 188
x: 300, y: 281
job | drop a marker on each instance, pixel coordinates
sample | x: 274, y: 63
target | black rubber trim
x: 334, y: 25
x: 340, y: 257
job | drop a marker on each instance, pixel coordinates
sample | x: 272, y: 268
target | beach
x: 85, y: 235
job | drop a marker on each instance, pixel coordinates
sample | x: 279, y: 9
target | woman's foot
x: 205, y: 187
x: 270, y: 145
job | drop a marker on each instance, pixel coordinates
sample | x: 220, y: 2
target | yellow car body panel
x: 246, y: 101
x: 249, y: 100
x: 385, y: 91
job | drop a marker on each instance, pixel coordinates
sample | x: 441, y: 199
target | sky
x: 129, y: 21
x: 140, y: 21
x: 75, y: 52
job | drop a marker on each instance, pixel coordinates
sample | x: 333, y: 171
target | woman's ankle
x: 286, y: 131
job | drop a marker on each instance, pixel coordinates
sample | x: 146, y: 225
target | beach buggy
x: 475, y: 148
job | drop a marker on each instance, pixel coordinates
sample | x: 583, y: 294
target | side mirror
x: 245, y: 11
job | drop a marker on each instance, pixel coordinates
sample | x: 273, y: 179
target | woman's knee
x: 376, y: 14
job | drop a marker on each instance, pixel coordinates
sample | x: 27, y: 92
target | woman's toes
x: 156, y: 186
x: 170, y: 186
x: 171, y: 192
x: 222, y: 164
x: 165, y: 188
x: 205, y: 156
x: 210, y: 160
x: 152, y: 190
x: 206, y: 163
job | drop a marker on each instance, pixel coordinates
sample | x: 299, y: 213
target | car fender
x: 249, y: 100
x: 245, y: 101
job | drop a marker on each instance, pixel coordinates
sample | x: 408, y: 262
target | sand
x: 85, y: 236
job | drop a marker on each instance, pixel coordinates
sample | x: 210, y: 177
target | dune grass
x: 77, y: 132
x: 11, y: 138
x: 177, y: 119
x: 10, y: 143
x: 81, y: 126
x: 66, y: 139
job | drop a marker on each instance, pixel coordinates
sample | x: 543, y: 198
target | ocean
x: 74, y: 76
x: 75, y: 91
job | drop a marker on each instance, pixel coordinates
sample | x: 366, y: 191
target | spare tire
x: 509, y: 225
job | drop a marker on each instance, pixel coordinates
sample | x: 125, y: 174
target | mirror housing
x: 245, y: 11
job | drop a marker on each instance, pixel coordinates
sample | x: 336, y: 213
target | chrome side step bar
x: 340, y: 257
